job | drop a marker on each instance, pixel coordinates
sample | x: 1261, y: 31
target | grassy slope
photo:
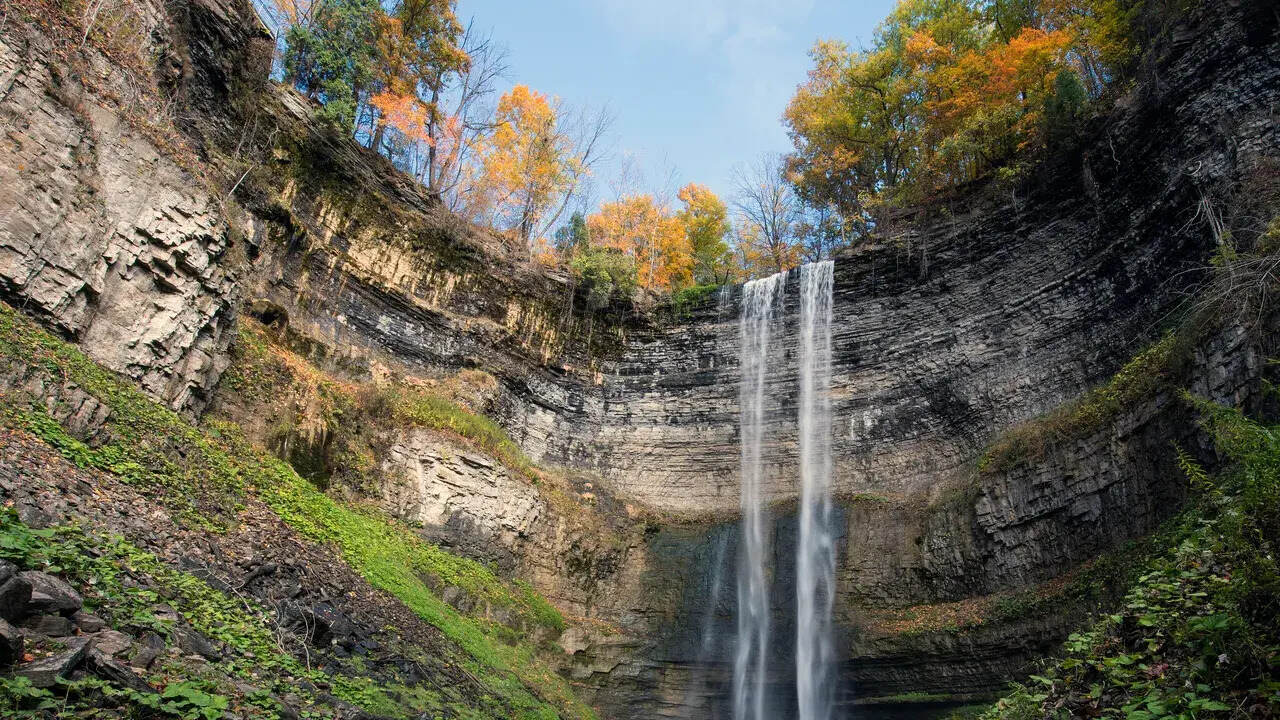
x: 205, y: 470
x: 122, y: 583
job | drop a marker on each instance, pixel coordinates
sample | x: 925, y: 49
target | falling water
x: 815, y: 559
x: 759, y: 298
x: 709, y: 615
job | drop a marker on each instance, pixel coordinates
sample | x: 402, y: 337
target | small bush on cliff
x: 1150, y: 371
x: 606, y: 275
x: 1198, y: 635
x: 418, y: 407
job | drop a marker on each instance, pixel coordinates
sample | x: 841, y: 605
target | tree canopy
x: 948, y: 90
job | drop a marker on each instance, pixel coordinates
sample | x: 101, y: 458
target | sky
x: 694, y: 86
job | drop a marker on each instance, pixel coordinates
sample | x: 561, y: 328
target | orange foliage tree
x: 949, y: 90
x: 640, y: 228
x: 418, y: 48
x: 530, y: 164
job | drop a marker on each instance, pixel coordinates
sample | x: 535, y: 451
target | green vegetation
x: 605, y: 274
x: 149, y: 444
x: 1198, y: 635
x: 330, y: 430
x: 684, y: 300
x: 122, y: 584
x: 333, y: 57
x: 1154, y: 369
x: 208, y: 473
x: 417, y: 407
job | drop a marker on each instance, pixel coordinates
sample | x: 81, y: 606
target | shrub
x: 605, y: 274
x: 1196, y: 636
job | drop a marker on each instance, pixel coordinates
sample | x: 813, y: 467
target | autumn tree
x: 531, y: 163
x: 705, y: 218
x: 948, y: 90
x: 464, y: 115
x: 418, y: 50
x: 638, y: 227
x: 435, y: 136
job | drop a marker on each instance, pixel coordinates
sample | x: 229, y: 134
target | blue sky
x: 694, y: 85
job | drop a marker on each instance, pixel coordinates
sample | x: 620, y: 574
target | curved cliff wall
x: 953, y: 329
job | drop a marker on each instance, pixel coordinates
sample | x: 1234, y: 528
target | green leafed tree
x: 606, y: 274
x: 333, y: 57
x: 573, y: 235
x: 706, y: 223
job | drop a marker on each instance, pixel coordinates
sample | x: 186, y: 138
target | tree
x: 948, y: 91
x: 638, y: 227
x: 532, y: 162
x: 417, y: 49
x: 822, y: 230
x: 705, y: 218
x: 332, y: 57
x: 606, y: 274
x: 573, y: 235
x: 768, y: 211
x: 464, y: 117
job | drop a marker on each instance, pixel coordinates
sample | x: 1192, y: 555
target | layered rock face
x: 104, y: 235
x: 953, y: 328
x: 1023, y: 304
x: 458, y: 494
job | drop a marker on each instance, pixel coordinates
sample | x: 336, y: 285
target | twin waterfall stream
x: 815, y: 550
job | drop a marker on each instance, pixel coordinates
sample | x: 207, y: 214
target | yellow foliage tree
x: 639, y: 227
x: 949, y: 90
x: 417, y: 47
x: 527, y: 164
x: 705, y: 218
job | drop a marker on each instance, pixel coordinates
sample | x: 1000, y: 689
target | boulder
x: 46, y: 672
x: 10, y: 644
x: 191, y: 641
x: 51, y: 594
x: 15, y: 596
x: 108, y: 668
x: 88, y: 623
x: 152, y: 646
x: 111, y: 642
x: 55, y: 626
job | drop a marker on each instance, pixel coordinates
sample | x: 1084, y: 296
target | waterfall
x: 815, y: 552
x: 815, y: 555
x: 759, y: 298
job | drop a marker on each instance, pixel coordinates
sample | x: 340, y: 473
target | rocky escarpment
x: 955, y: 327
x: 135, y: 271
